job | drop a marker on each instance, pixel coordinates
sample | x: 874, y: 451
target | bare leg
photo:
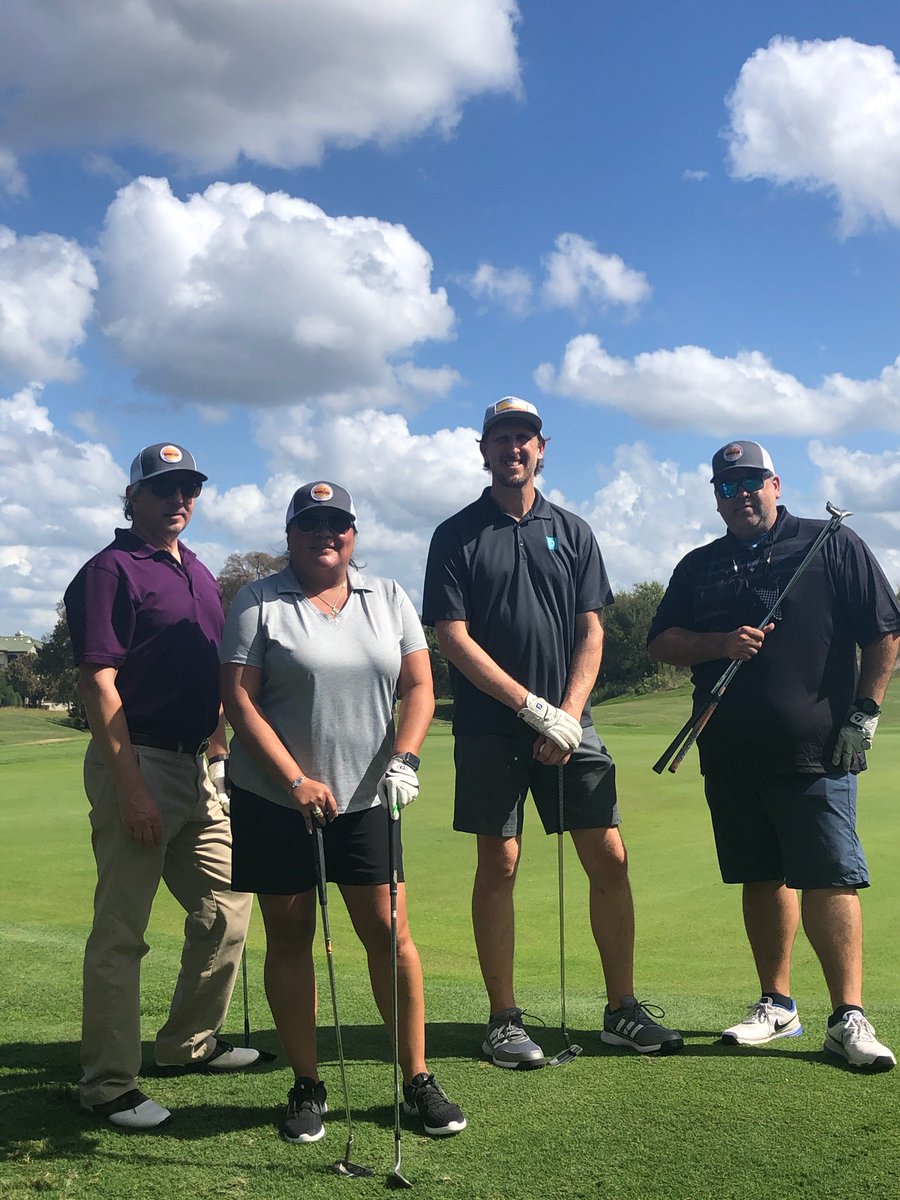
x: 290, y: 976
x: 370, y: 912
x: 602, y: 854
x: 771, y: 918
x: 832, y: 918
x: 493, y: 916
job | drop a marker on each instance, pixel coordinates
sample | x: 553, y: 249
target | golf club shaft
x: 246, y: 995
x: 691, y: 730
x: 560, y: 865
x: 321, y: 883
x: 393, y: 856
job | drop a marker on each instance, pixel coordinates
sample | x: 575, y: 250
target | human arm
x: 138, y: 811
x: 685, y: 647
x: 587, y: 655
x: 857, y: 730
x: 241, y: 687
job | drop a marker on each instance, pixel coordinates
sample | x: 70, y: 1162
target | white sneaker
x: 765, y: 1021
x: 853, y: 1038
x: 132, y: 1110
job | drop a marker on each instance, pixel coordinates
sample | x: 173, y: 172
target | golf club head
x: 838, y: 512
x: 395, y: 1180
x: 565, y: 1056
x: 350, y: 1170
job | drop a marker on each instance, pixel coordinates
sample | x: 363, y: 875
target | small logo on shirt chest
x: 552, y: 543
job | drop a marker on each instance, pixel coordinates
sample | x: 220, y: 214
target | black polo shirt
x: 520, y: 585
x: 781, y: 712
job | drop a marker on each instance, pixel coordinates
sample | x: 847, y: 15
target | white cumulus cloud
x: 509, y: 288
x: 239, y: 295
x: 209, y: 81
x: 691, y: 388
x: 824, y: 116
x: 577, y: 273
x: 46, y: 299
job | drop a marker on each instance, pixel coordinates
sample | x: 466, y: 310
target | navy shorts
x: 797, y: 828
x: 495, y: 772
x: 273, y: 855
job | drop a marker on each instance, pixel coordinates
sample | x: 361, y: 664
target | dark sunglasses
x: 337, y: 522
x: 163, y: 488
x: 729, y: 488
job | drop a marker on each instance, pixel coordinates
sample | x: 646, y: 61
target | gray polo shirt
x: 327, y: 684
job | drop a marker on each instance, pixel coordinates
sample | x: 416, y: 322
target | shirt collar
x: 287, y: 582
x: 128, y: 540
x: 539, y: 511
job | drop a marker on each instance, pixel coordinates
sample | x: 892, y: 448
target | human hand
x: 560, y: 727
x: 139, y: 814
x: 315, y: 801
x: 743, y: 644
x: 854, y: 736
x: 548, y: 753
x: 218, y: 775
x: 398, y: 786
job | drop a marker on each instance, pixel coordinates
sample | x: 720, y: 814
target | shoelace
x: 761, y: 1012
x: 652, y: 1011
x: 511, y: 1030
x: 856, y: 1027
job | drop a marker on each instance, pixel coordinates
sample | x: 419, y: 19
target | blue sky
x: 315, y: 238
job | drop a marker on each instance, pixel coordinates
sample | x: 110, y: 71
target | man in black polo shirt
x: 514, y: 587
x: 781, y: 754
x: 146, y: 619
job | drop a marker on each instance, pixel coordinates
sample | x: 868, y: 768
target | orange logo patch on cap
x: 321, y: 492
x: 505, y: 405
x: 733, y: 452
x: 171, y: 454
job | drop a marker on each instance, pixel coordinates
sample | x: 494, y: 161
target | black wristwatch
x: 867, y: 706
x: 411, y: 760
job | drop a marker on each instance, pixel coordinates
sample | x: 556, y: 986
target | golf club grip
x: 698, y: 727
x: 660, y: 765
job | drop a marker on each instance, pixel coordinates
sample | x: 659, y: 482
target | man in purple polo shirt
x: 145, y: 618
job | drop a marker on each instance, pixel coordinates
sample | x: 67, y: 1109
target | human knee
x: 603, y: 856
x: 498, y: 863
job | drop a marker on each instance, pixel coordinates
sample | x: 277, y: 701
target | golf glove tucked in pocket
x: 218, y: 775
x: 854, y: 736
x: 398, y: 786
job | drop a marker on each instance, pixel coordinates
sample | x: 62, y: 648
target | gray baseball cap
x: 321, y: 494
x: 511, y: 406
x: 739, y: 458
x: 162, y: 457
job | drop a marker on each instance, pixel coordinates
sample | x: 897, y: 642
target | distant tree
x: 57, y: 666
x: 9, y: 697
x: 626, y: 666
x: 440, y: 669
x: 24, y: 675
x: 244, y: 568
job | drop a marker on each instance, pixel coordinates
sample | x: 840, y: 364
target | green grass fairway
x: 712, y: 1123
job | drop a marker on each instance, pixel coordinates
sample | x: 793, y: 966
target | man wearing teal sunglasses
x: 781, y: 754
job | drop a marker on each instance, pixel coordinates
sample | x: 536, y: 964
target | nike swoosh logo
x: 783, y: 1025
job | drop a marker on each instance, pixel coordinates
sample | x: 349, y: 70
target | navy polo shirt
x: 159, y: 623
x: 781, y: 713
x: 520, y: 586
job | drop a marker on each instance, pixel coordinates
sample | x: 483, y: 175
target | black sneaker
x: 306, y: 1107
x: 439, y: 1114
x: 635, y: 1025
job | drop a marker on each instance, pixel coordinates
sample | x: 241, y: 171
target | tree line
x: 49, y: 675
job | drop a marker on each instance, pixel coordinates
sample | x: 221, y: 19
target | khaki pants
x: 195, y: 864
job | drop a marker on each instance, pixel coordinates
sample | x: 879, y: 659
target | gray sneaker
x: 508, y: 1045
x: 637, y: 1025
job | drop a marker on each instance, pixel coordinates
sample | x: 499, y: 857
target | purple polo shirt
x: 159, y: 623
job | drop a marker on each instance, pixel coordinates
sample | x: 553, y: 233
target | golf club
x: 344, y: 1166
x: 571, y: 1051
x: 694, y: 726
x: 264, y: 1055
x: 396, y: 1179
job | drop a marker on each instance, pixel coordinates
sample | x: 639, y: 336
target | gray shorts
x: 495, y: 772
x: 797, y: 828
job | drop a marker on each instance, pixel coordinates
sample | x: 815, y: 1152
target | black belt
x: 195, y: 749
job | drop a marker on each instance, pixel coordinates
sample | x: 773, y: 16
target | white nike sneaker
x: 765, y: 1021
x: 853, y: 1038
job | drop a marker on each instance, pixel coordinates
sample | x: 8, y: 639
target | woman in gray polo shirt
x: 312, y: 660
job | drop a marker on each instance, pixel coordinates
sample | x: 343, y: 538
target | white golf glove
x: 398, y: 786
x: 854, y: 736
x: 561, y: 728
x: 218, y: 775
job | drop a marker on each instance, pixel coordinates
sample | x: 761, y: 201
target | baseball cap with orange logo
x: 161, y: 457
x: 320, y: 494
x: 511, y: 406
